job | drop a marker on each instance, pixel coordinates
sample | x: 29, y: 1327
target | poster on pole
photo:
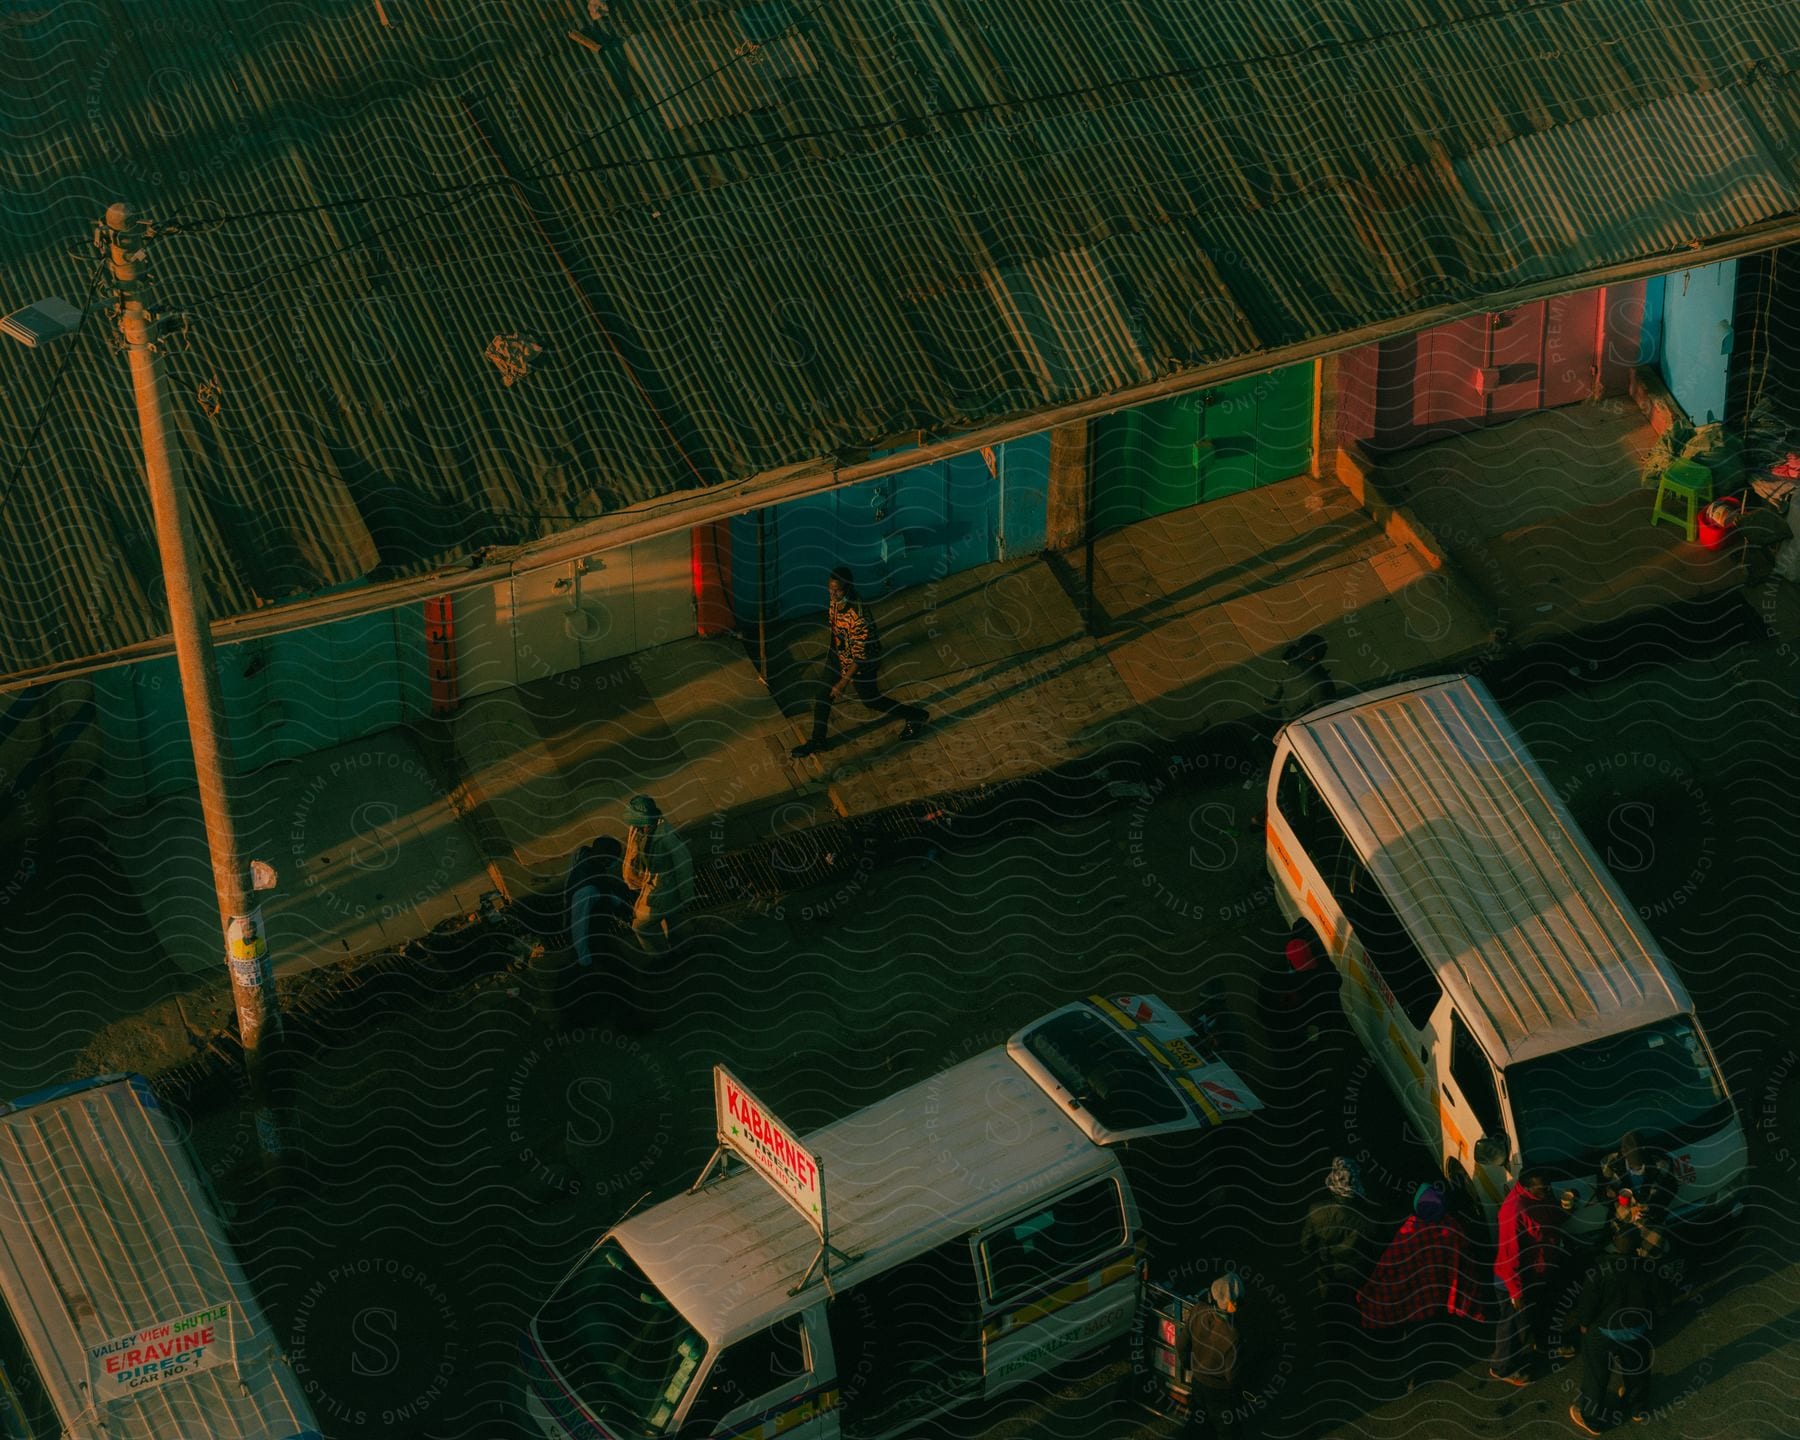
x: 748, y: 1130
x: 128, y: 1365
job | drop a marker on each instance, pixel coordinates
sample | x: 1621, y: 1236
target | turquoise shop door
x: 895, y: 533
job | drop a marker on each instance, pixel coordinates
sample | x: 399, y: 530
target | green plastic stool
x: 1687, y: 480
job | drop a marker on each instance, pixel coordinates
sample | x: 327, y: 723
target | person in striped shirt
x: 854, y: 662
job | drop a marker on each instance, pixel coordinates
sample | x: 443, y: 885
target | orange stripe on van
x: 1326, y: 928
x: 1452, y: 1129
x: 1281, y: 854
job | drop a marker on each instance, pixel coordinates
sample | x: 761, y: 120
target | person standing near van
x: 855, y: 662
x: 1423, y: 1282
x: 1341, y: 1238
x: 1616, y: 1311
x: 1647, y: 1174
x: 1528, y: 1258
x: 659, y: 869
x: 1215, y: 1354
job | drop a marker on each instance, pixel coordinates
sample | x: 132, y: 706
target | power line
x: 62, y: 369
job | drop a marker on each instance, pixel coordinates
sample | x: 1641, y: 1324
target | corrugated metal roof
x: 898, y: 217
x: 103, y: 1233
x: 1500, y: 891
x: 903, y: 1175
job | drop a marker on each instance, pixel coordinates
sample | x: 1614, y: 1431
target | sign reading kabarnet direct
x: 169, y: 1350
x: 749, y: 1130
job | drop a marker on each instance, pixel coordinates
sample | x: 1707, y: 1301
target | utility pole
x: 246, y: 950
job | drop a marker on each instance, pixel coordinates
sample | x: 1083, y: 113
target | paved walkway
x: 367, y: 844
x: 1547, y: 518
x: 1544, y: 521
x: 1192, y: 612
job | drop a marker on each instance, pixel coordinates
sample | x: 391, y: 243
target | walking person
x: 1617, y: 1310
x: 1341, y: 1237
x: 659, y: 869
x: 1422, y: 1284
x: 855, y: 662
x: 1528, y: 1259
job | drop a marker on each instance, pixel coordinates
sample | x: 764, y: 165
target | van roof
x: 945, y: 1156
x: 1525, y: 928
x: 103, y: 1232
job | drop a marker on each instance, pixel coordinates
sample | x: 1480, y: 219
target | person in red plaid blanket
x: 1423, y: 1282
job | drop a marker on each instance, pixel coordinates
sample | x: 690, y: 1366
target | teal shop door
x: 896, y: 533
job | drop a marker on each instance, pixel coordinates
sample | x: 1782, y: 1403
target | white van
x: 1500, y: 979
x: 123, y: 1313
x: 984, y: 1228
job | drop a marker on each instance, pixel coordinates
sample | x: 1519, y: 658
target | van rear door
x: 1128, y: 1066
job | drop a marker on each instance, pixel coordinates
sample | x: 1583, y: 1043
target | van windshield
x: 621, y: 1348
x: 1573, y: 1107
x: 1103, y: 1070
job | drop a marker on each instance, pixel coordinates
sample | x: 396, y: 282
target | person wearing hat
x: 660, y: 870
x: 854, y: 661
x: 1214, y: 1352
x: 1422, y: 1283
x: 1342, y: 1235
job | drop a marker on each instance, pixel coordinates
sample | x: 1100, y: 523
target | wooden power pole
x: 246, y: 950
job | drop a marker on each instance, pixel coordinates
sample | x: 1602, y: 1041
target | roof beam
x: 686, y: 509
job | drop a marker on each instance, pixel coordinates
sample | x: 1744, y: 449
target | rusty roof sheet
x: 747, y: 236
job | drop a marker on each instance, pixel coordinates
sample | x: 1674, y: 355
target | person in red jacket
x: 1529, y: 1255
x: 1422, y: 1283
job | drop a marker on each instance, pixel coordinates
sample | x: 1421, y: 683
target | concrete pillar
x: 1068, y: 501
x: 1325, y: 408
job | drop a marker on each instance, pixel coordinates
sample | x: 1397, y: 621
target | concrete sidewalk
x: 1547, y: 518
x: 1192, y: 612
x: 1537, y: 527
x: 367, y: 842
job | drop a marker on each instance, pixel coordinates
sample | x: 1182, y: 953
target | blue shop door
x: 895, y: 533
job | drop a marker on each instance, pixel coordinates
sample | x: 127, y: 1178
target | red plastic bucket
x: 1718, y: 518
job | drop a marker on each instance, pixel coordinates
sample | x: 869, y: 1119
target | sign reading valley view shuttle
x: 747, y: 1129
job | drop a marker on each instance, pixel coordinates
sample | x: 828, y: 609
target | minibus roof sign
x: 747, y: 1129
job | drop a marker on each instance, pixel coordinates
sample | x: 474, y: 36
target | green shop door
x: 1179, y: 452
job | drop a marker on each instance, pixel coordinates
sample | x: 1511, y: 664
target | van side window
x: 1389, y: 948
x: 1076, y: 1229
x: 750, y: 1369
x: 1312, y: 822
x: 1474, y: 1076
x: 1300, y: 805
